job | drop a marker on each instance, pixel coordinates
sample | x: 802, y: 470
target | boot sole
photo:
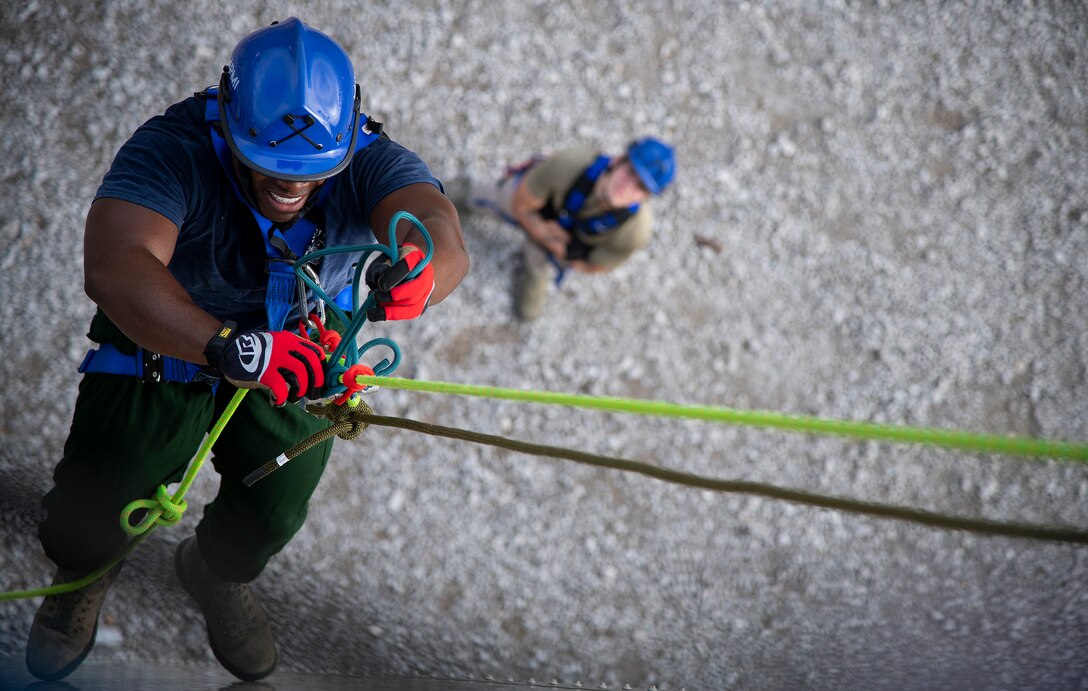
x: 78, y: 660
x: 70, y: 667
x: 243, y: 675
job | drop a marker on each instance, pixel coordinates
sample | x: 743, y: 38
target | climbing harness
x: 342, y: 393
x: 343, y: 372
x: 284, y: 244
x: 147, y: 366
x: 566, y: 214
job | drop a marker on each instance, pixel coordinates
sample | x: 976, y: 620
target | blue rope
x: 348, y: 353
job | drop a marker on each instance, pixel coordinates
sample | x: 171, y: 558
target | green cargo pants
x: 129, y: 437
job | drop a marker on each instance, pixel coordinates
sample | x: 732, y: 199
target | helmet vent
x: 290, y: 121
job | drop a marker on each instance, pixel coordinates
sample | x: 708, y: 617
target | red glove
x: 282, y: 362
x: 394, y: 297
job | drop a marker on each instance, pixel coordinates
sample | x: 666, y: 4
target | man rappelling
x: 188, y: 254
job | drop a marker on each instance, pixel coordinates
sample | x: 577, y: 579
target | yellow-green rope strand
x: 77, y: 584
x: 165, y: 509
x: 927, y: 518
x: 948, y: 438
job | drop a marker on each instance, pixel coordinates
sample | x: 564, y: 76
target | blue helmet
x: 289, y: 103
x: 653, y: 161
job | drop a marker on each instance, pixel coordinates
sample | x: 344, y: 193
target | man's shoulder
x: 576, y: 156
x: 178, y: 133
x: 643, y: 221
x: 384, y: 154
x: 381, y: 167
x: 559, y: 171
x: 166, y: 164
x: 183, y: 121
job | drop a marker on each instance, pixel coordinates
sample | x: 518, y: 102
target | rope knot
x: 162, y: 510
x: 348, y: 418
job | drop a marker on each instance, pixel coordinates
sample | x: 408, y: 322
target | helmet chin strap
x: 245, y: 185
x: 245, y: 181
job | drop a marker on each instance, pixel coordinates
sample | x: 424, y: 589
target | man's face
x: 621, y: 187
x: 281, y: 200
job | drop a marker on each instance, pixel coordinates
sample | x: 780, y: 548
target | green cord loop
x: 165, y: 509
x: 162, y: 510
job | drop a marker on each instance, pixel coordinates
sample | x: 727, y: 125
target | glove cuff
x: 213, y: 352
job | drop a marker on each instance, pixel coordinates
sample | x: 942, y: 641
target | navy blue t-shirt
x: 169, y: 166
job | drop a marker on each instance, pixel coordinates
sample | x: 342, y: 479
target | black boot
x: 65, y: 626
x: 238, y: 628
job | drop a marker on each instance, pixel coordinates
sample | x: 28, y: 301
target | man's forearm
x: 450, y: 260
x: 145, y: 301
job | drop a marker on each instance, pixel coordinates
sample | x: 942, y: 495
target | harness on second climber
x: 566, y: 214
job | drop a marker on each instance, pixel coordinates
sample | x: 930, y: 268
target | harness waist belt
x: 145, y: 365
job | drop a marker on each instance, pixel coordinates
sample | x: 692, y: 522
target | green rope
x: 948, y: 438
x: 164, y: 509
x: 927, y: 518
x: 74, y: 585
x: 344, y: 423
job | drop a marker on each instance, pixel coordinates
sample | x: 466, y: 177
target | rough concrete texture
x: 881, y: 214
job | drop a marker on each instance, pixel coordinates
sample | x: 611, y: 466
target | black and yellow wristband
x: 213, y: 352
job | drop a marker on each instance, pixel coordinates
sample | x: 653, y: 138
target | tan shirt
x: 553, y: 178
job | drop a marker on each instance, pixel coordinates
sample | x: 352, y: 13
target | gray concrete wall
x: 897, y: 192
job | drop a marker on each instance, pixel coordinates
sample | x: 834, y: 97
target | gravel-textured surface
x: 898, y: 193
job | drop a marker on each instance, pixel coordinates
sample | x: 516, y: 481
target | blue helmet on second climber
x: 290, y: 103
x: 654, y: 161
